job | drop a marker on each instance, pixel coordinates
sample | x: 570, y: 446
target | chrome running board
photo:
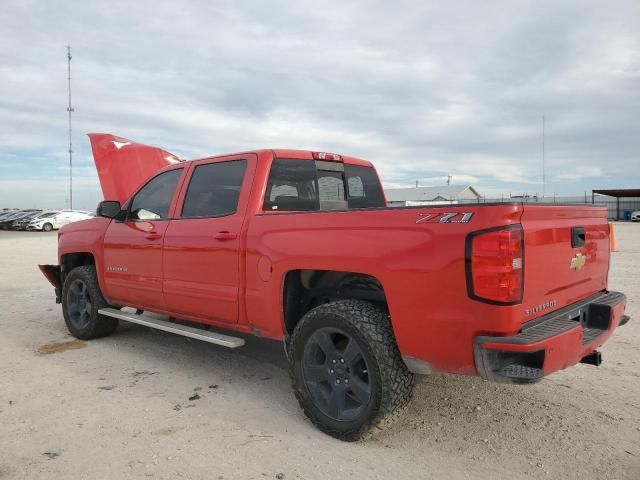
x: 184, y: 330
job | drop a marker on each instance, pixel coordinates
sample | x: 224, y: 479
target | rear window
x: 305, y: 185
x: 363, y: 187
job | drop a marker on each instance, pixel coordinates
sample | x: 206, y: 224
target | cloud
x: 422, y: 89
x: 580, y: 173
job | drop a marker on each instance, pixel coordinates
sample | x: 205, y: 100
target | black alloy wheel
x: 346, y: 370
x: 79, y: 304
x: 336, y: 374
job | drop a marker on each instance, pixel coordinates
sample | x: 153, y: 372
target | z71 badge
x: 440, y: 217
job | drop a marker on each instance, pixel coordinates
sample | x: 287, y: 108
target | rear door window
x: 214, y: 189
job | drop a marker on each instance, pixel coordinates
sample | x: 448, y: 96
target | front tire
x: 346, y: 370
x: 81, y: 300
x: 47, y: 227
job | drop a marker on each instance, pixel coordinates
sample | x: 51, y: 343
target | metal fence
x: 619, y: 209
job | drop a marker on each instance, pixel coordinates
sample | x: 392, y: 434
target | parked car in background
x: 5, y: 223
x: 57, y: 220
x: 22, y: 222
x: 7, y: 213
x: 40, y: 220
x: 635, y: 216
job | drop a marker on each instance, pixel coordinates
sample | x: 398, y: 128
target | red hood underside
x: 123, y: 165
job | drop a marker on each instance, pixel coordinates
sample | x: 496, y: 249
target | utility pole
x: 70, y: 110
x: 543, y: 172
x: 449, y: 177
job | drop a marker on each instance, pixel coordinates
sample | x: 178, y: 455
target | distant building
x: 400, y: 197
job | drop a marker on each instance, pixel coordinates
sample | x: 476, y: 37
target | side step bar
x: 184, y: 330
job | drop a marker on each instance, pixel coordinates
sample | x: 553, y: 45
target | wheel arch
x: 71, y: 260
x: 304, y: 289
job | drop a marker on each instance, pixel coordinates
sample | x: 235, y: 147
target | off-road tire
x: 96, y: 325
x: 391, y: 383
x: 47, y: 227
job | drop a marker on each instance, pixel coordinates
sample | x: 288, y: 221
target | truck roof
x: 291, y: 153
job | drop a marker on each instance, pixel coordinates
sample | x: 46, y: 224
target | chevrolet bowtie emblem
x: 578, y: 261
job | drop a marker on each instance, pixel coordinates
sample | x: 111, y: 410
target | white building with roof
x: 400, y: 197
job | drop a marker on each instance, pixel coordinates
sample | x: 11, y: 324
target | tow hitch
x: 594, y: 358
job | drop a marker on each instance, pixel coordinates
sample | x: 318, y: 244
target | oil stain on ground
x: 58, y: 347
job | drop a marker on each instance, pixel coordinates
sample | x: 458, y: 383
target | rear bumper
x: 552, y: 342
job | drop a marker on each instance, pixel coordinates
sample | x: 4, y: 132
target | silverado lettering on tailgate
x: 540, y: 308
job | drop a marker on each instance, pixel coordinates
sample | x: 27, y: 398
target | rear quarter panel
x: 421, y: 267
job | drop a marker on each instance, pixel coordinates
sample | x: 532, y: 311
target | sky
x: 422, y: 89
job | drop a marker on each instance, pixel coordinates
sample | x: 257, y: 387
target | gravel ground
x: 123, y: 407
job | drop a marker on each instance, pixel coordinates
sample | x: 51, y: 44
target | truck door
x: 133, y: 244
x: 202, y: 243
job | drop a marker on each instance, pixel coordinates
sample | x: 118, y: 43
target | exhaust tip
x: 594, y: 358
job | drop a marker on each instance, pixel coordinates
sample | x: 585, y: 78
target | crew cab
x: 300, y: 247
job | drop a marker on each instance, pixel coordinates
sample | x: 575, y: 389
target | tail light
x: 495, y: 265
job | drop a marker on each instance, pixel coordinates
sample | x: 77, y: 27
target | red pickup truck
x: 300, y: 247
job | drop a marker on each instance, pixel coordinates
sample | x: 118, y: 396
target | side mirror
x: 108, y: 209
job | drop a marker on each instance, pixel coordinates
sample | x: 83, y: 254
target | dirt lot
x: 119, y: 407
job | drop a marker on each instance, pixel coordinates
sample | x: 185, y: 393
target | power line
x: 70, y: 110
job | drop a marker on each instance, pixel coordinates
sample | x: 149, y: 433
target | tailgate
x: 566, y: 256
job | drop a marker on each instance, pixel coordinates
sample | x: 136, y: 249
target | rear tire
x: 81, y: 300
x: 47, y: 227
x: 346, y: 370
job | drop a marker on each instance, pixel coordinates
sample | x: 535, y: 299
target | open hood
x: 123, y: 164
